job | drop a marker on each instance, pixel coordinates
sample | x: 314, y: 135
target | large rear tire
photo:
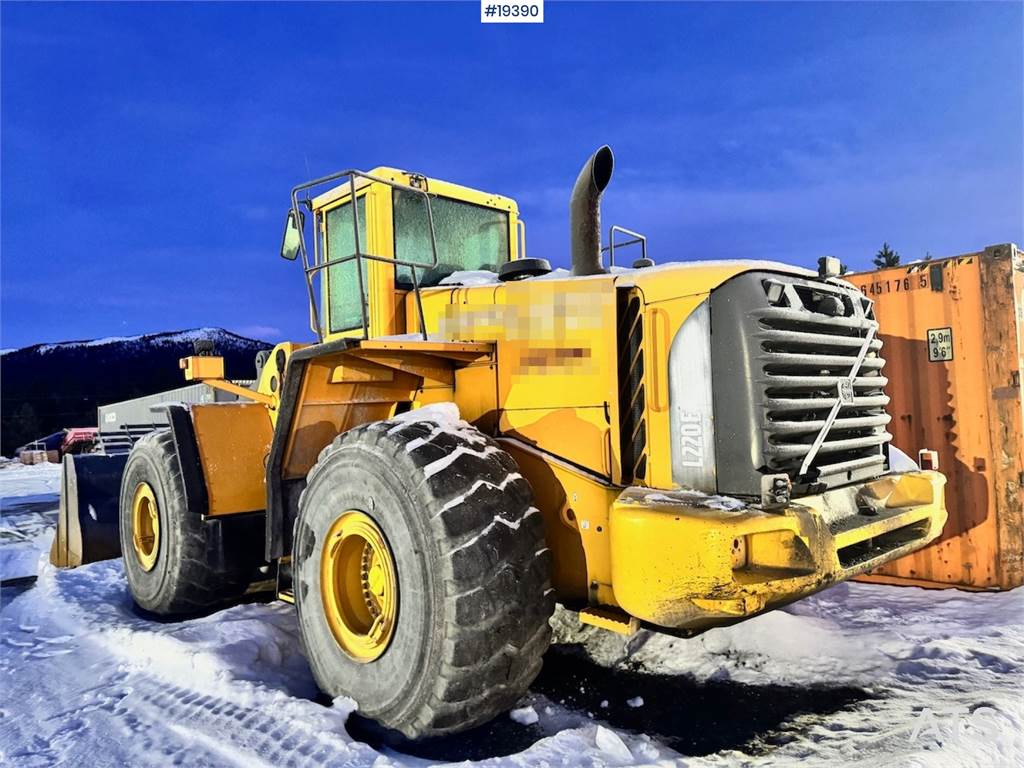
x: 450, y: 520
x: 164, y: 543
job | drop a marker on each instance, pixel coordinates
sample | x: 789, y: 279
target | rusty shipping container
x: 951, y: 330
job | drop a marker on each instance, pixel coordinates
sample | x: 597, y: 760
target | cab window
x: 469, y: 237
x: 343, y: 310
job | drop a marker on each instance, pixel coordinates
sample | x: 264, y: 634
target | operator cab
x: 401, y: 244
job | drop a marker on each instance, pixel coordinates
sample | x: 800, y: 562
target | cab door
x: 343, y: 304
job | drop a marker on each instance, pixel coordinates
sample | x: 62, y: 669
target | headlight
x: 691, y: 411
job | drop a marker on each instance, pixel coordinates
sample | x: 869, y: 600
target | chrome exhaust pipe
x: 585, y: 212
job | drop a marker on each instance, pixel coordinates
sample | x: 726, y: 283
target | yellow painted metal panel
x: 672, y: 281
x: 662, y: 320
x: 430, y: 346
x: 575, y: 507
x: 436, y: 186
x: 197, y: 368
x: 556, y: 362
x: 326, y: 407
x: 476, y: 394
x: 272, y: 376
x: 234, y: 442
x: 678, y: 563
x: 581, y: 436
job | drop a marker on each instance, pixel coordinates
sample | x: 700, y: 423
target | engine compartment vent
x: 632, y: 402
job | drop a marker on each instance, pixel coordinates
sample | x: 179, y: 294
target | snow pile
x: 761, y: 264
x: 558, y: 273
x: 29, y: 497
x: 446, y: 419
x: 442, y: 414
x: 694, y: 499
x: 19, y: 480
x: 524, y: 715
x: 97, y: 683
x: 470, y: 277
x: 612, y: 745
x: 942, y: 671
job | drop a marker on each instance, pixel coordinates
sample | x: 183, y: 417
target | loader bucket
x: 87, y: 522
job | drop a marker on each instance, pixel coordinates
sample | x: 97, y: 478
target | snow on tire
x: 473, y: 574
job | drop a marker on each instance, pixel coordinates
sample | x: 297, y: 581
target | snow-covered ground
x: 858, y: 675
x: 28, y: 513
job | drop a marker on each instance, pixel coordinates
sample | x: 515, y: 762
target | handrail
x: 313, y: 319
x: 358, y: 255
x: 637, y: 238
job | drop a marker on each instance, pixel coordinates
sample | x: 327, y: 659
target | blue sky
x: 147, y: 151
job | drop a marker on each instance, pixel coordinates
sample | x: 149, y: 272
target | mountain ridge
x: 51, y: 386
x: 185, y: 334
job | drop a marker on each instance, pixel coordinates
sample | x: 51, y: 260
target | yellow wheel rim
x: 145, y: 526
x: 359, y: 587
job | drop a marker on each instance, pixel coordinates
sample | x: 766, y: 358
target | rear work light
x: 928, y: 459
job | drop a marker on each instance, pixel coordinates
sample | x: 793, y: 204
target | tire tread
x: 496, y: 572
x: 195, y: 585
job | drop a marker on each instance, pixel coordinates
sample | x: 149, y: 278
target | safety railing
x: 612, y: 245
x: 311, y: 270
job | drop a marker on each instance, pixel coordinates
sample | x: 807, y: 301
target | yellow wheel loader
x: 474, y: 437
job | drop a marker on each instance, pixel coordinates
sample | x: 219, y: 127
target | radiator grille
x: 632, y: 425
x: 783, y: 347
x: 809, y: 337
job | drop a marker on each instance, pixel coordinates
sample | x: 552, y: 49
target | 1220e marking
x: 691, y: 440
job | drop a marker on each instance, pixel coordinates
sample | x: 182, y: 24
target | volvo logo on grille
x: 846, y: 394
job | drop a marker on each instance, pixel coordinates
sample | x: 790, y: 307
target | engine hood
x: 674, y: 279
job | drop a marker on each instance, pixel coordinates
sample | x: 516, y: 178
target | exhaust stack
x: 585, y: 212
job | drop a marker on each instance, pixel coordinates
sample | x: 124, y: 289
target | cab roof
x: 436, y: 186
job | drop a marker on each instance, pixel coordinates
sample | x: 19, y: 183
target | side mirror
x: 290, y: 241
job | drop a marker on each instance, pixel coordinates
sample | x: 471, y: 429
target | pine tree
x: 886, y: 257
x: 24, y: 424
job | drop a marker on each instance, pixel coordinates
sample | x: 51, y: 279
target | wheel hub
x: 359, y: 586
x: 145, y: 526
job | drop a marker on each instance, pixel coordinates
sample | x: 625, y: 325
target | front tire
x: 164, y: 543
x: 472, y: 592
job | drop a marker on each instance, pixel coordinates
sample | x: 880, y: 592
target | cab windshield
x: 469, y: 237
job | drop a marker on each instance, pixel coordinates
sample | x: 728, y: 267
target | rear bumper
x: 682, y: 562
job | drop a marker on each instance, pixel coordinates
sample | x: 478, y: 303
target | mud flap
x: 87, y: 522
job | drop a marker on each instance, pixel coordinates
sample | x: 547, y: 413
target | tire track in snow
x: 176, y: 693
